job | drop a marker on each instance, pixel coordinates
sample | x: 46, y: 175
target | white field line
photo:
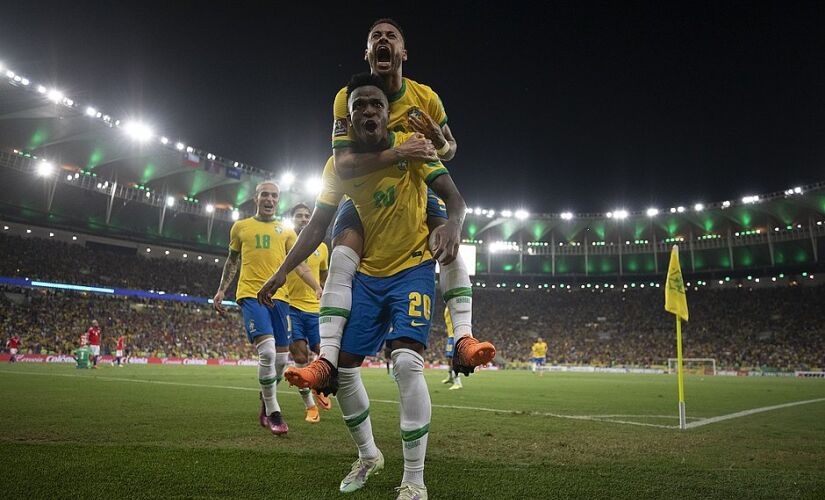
x: 594, y: 418
x: 745, y: 413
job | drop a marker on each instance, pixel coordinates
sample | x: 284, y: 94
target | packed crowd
x: 50, y: 260
x: 777, y: 327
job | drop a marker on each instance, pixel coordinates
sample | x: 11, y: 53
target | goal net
x: 694, y: 366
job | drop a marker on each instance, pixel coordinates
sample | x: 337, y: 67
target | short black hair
x: 296, y: 207
x: 387, y: 20
x: 365, y: 80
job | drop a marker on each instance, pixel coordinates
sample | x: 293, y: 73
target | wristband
x: 444, y: 149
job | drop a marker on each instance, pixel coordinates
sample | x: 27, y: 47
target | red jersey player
x: 13, y: 344
x: 94, y: 341
x: 119, y: 352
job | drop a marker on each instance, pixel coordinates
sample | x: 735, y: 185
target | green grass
x: 94, y: 434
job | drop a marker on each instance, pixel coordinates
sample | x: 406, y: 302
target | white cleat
x: 361, y: 470
x: 410, y: 491
x: 455, y: 387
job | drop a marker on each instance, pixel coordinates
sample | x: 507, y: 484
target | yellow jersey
x: 389, y: 202
x: 411, y: 95
x: 263, y: 247
x: 301, y: 295
x: 448, y: 320
x: 539, y: 349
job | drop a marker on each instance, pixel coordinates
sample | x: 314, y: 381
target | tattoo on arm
x: 230, y: 269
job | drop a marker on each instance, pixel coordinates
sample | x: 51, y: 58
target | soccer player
x: 415, y: 107
x: 303, y: 312
x: 393, y: 289
x: 453, y: 377
x: 93, y: 336
x: 258, y: 245
x: 13, y: 344
x: 82, y: 354
x: 539, y: 352
x: 119, y: 351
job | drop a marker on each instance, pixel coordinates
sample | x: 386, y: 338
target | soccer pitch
x: 192, y: 431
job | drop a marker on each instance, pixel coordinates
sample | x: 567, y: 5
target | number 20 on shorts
x: 416, y: 301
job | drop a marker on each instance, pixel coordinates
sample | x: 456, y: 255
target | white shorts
x: 119, y: 354
x: 95, y: 350
x: 13, y: 351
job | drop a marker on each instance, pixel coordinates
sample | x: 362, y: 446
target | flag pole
x: 680, y: 373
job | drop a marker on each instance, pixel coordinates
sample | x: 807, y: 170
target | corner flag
x: 676, y: 303
x: 675, y: 300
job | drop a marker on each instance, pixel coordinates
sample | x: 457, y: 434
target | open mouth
x: 383, y: 54
x: 267, y: 206
x: 370, y: 126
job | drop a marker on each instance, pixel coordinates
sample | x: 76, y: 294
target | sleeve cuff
x: 342, y: 144
x: 434, y: 174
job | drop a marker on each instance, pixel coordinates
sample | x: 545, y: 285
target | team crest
x: 402, y: 165
x: 317, y: 253
x: 339, y: 127
x: 279, y: 230
x: 252, y: 325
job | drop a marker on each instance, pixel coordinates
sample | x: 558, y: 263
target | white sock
x: 336, y: 301
x: 306, y: 394
x: 457, y: 291
x: 416, y: 411
x: 457, y: 379
x: 355, y: 407
x: 281, y: 360
x: 267, y: 375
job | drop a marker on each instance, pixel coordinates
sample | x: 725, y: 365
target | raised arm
x: 309, y: 239
x: 230, y: 269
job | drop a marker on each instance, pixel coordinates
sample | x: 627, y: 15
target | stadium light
x: 148, y: 250
x: 680, y: 209
x: 287, y: 179
x: 41, y: 89
x: 491, y: 213
x: 609, y: 215
x: 185, y: 255
x: 190, y: 149
x: 567, y: 215
x: 90, y: 111
x: 28, y: 231
x: 725, y: 204
x: 74, y: 238
x: 45, y: 169
x: 180, y: 146
x: 170, y: 201
x: 236, y: 215
x: 200, y: 257
x: 51, y: 235
x: 750, y: 199
x: 797, y: 190
x: 652, y: 212
x: 217, y: 260
x: 210, y: 208
x: 69, y: 177
x: 313, y: 185
x: 521, y: 214
x: 506, y: 213
x: 55, y: 95
x: 620, y: 214
x: 164, y: 140
x: 10, y: 74
x: 25, y: 82
x: 699, y: 207
x: 137, y: 131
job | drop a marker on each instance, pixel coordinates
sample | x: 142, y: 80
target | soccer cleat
x: 277, y: 424
x: 313, y: 417
x: 262, y: 414
x: 448, y: 380
x: 456, y: 387
x: 361, y: 470
x: 469, y: 353
x: 319, y: 375
x: 323, y: 401
x: 410, y: 491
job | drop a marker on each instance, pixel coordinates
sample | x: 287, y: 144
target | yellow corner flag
x: 676, y: 303
x: 675, y: 300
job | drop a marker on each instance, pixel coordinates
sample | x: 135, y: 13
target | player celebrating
x: 119, y: 351
x: 303, y: 312
x: 258, y: 245
x: 539, y: 352
x: 392, y: 292
x: 415, y: 107
x: 453, y: 377
x: 93, y: 337
x: 13, y: 344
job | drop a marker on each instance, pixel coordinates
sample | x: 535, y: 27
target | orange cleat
x: 313, y: 417
x: 323, y: 401
x: 319, y: 375
x: 469, y: 353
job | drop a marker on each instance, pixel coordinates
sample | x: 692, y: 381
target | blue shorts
x: 448, y: 349
x: 348, y: 218
x: 403, y: 303
x: 538, y: 361
x: 304, y: 326
x: 261, y: 320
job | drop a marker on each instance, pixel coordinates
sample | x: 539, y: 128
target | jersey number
x: 384, y: 198
x: 416, y: 300
x: 261, y: 241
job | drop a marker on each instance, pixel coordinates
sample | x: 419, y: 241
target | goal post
x: 694, y: 366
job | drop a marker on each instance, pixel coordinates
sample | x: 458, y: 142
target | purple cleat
x: 277, y: 424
